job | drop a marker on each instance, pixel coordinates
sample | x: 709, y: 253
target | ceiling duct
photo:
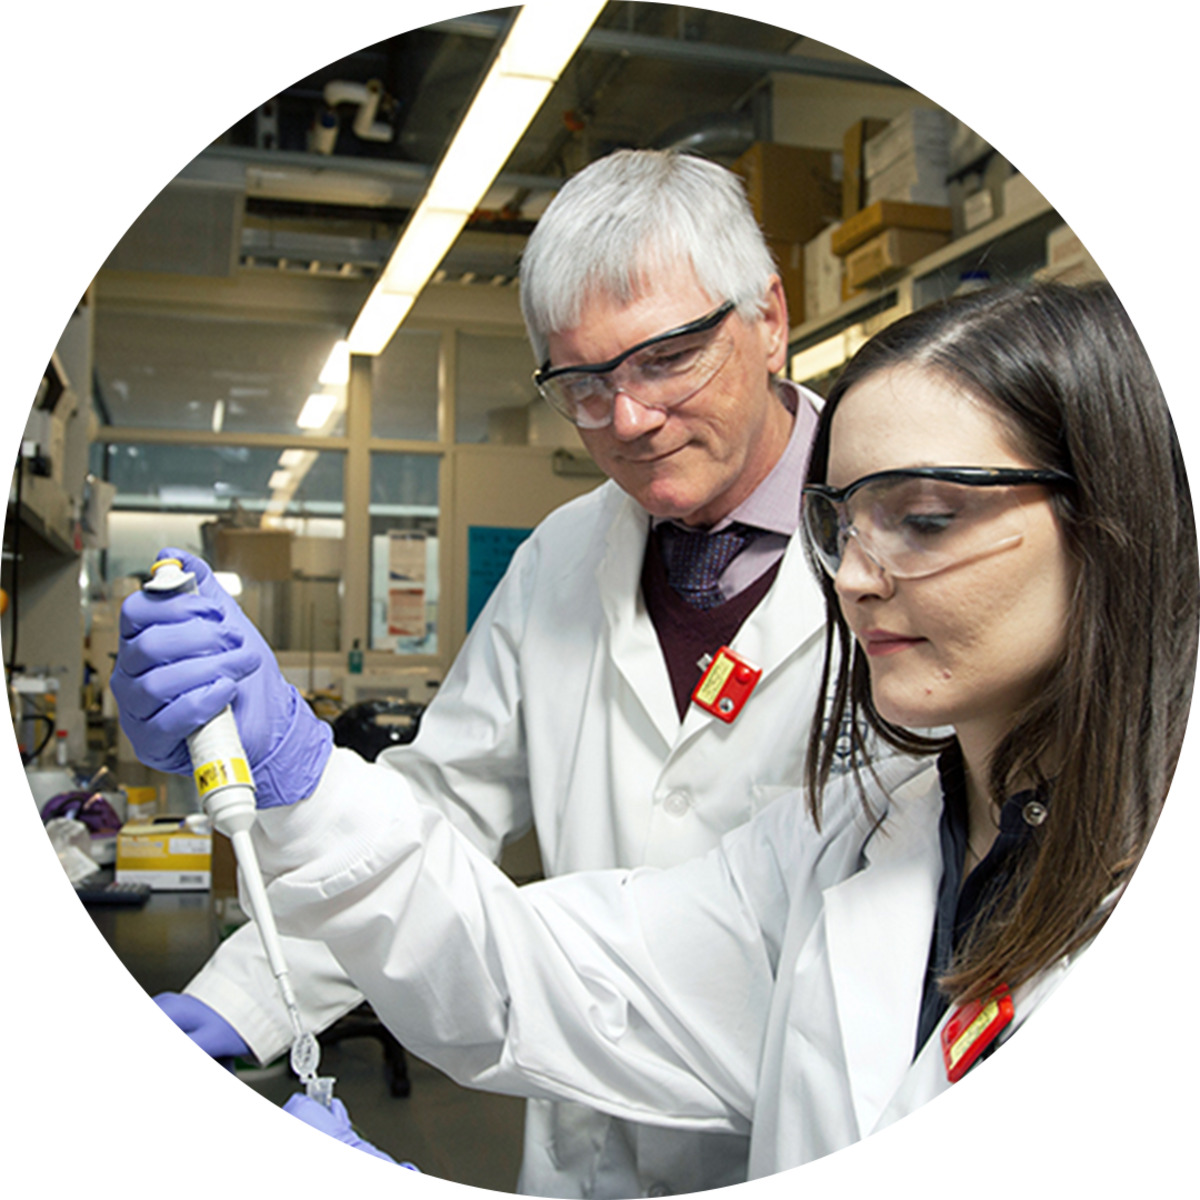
x: 189, y: 228
x: 686, y: 50
x: 713, y: 135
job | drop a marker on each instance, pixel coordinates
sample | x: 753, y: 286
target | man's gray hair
x: 630, y: 222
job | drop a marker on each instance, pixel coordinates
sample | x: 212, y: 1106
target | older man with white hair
x: 639, y: 682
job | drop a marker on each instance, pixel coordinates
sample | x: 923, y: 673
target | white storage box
x: 913, y: 179
x: 919, y: 131
x: 822, y: 276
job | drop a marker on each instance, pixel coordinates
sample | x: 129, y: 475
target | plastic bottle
x: 355, y: 659
x: 972, y: 281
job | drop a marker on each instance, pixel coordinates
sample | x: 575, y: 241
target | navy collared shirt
x: 959, y: 903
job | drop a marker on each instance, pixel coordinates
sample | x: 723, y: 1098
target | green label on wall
x: 489, y: 550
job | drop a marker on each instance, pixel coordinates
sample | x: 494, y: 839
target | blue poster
x: 489, y: 550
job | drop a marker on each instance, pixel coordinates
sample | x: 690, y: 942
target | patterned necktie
x: 695, y: 560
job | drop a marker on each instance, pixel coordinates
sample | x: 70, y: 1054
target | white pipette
x: 226, y: 789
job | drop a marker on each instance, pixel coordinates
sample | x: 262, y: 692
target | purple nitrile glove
x: 183, y: 657
x: 334, y: 1121
x: 208, y: 1029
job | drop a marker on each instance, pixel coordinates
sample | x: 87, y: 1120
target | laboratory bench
x: 163, y: 942
x: 450, y: 1132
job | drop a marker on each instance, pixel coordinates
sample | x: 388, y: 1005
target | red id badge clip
x: 726, y: 685
x: 972, y: 1028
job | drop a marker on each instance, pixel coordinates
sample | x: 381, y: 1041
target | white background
x: 106, y: 102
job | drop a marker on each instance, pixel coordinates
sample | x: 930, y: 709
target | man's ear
x: 774, y: 326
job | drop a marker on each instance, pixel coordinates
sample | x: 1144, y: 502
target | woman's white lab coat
x: 559, y: 712
x: 771, y: 987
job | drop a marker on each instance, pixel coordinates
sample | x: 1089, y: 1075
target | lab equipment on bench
x: 226, y: 788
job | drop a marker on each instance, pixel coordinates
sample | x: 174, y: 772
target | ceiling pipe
x: 345, y: 179
x: 717, y: 135
x: 639, y: 45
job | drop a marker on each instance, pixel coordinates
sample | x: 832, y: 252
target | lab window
x: 270, y: 522
x: 221, y: 375
x: 404, y: 387
x: 494, y: 388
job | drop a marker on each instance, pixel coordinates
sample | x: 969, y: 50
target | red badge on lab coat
x: 972, y: 1028
x: 726, y: 685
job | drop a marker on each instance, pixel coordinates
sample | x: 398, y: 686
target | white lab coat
x: 771, y: 987
x: 559, y: 711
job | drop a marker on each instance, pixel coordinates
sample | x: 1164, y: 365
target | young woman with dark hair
x: 998, y: 509
x: 1064, y: 374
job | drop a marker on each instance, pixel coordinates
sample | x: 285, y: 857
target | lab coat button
x: 677, y: 804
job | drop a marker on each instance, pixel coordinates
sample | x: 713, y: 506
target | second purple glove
x: 207, y: 1028
x: 334, y: 1121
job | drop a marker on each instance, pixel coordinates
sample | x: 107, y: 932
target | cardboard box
x: 1068, y: 259
x: 1020, y: 197
x: 854, y: 178
x: 141, y: 803
x: 789, y: 260
x: 890, y: 214
x: 979, y: 208
x: 794, y: 191
x: 912, y: 179
x: 920, y: 130
x: 822, y: 276
x: 165, y: 854
x: 889, y: 252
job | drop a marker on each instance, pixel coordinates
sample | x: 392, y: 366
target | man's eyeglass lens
x: 660, y: 374
x: 914, y: 526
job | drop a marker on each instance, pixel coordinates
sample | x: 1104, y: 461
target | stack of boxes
x: 895, y: 207
x: 909, y: 160
x: 886, y: 237
x: 1068, y: 260
x: 897, y: 204
x: 795, y: 192
x: 907, y: 212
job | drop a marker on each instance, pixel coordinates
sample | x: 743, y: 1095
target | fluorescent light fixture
x: 318, y: 408
x: 428, y: 235
x: 279, y: 479
x: 540, y: 43
x: 292, y: 458
x: 500, y: 114
x: 230, y: 581
x: 218, y: 420
x: 336, y: 371
x: 378, y: 319
x: 544, y: 37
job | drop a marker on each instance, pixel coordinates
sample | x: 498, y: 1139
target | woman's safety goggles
x: 659, y: 373
x: 921, y: 520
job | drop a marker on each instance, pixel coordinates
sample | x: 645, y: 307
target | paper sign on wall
x: 406, y: 584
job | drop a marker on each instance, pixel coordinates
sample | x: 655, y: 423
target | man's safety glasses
x: 659, y: 373
x: 921, y: 520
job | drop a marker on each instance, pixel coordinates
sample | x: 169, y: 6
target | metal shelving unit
x: 1010, y: 248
